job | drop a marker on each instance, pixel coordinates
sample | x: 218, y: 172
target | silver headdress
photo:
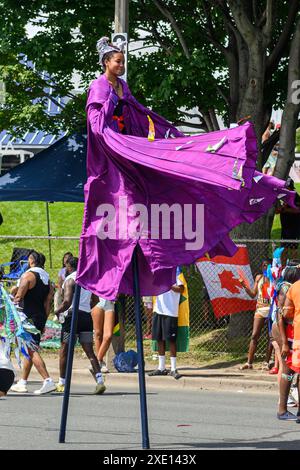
x: 103, y: 47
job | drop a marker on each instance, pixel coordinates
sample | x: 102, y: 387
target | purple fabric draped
x: 177, y: 170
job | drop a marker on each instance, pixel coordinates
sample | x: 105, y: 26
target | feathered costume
x: 15, y: 329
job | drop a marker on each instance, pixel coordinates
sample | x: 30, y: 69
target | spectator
x: 165, y: 326
x: 260, y: 290
x: 35, y: 294
x: 290, y: 225
x: 268, y: 132
x: 84, y: 327
x: 275, y: 337
x: 269, y: 166
x: 289, y: 323
x: 61, y: 278
x: 103, y: 315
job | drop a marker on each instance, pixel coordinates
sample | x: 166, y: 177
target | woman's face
x: 264, y: 266
x: 66, y: 259
x: 116, y: 64
x: 31, y: 261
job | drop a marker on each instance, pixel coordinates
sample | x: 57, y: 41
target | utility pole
x: 120, y: 36
x: 121, y: 16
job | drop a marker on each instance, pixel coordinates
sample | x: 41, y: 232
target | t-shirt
x: 85, y: 295
x: 168, y: 303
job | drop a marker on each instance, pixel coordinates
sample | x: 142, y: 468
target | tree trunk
x: 287, y: 143
x: 253, y: 101
x: 214, y: 120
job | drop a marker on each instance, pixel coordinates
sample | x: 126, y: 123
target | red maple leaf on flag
x: 229, y: 282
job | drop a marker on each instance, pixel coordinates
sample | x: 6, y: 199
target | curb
x: 203, y: 381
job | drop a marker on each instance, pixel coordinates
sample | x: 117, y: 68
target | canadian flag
x: 221, y: 277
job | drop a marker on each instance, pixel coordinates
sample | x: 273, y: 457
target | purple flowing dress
x: 216, y: 170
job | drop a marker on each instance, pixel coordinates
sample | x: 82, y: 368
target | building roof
x: 37, y: 138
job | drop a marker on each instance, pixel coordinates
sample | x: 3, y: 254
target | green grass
x: 29, y: 218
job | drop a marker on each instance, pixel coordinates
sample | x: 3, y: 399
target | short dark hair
x: 39, y: 258
x: 291, y: 274
x: 73, y: 262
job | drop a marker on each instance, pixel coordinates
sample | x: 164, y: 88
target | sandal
x: 287, y: 416
x: 273, y: 371
x: 246, y: 366
x: 158, y: 372
x: 265, y: 366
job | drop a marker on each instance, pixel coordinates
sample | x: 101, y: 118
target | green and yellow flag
x: 116, y: 330
x: 183, y: 335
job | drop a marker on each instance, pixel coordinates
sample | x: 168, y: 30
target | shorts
x: 148, y: 301
x: 106, y: 304
x: 262, y: 312
x: 40, y: 325
x: 164, y: 327
x: 7, y: 378
x: 84, y: 331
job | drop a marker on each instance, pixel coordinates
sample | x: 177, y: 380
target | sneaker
x: 103, y: 367
x: 47, y: 387
x: 175, y: 374
x: 100, y: 388
x: 291, y: 403
x: 20, y: 388
x: 246, y: 366
x: 60, y: 388
x: 158, y: 372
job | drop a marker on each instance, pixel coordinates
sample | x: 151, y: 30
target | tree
x: 65, y: 42
x: 290, y: 118
x: 214, y: 57
x: 240, y: 50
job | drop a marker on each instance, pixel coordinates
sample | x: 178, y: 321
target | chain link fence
x: 209, y: 336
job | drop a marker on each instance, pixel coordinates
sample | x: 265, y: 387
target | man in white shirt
x: 84, y: 326
x: 165, y: 326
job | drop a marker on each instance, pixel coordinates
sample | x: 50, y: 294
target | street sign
x: 120, y: 40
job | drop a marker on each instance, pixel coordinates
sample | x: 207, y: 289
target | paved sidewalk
x: 194, y: 378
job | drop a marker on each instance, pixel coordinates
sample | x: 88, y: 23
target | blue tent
x: 57, y: 173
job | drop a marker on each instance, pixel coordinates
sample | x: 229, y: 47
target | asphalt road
x: 183, y: 420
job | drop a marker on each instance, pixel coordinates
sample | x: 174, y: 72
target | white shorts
x: 106, y: 304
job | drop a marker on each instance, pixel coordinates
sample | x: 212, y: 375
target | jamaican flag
x: 183, y: 335
x: 118, y: 313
